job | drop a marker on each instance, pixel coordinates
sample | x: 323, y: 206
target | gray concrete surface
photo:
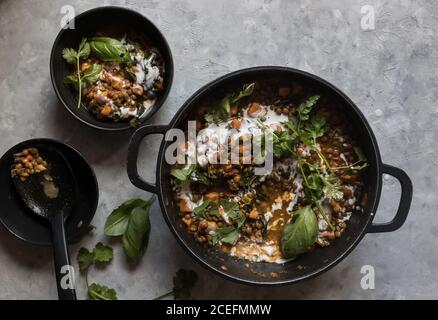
x: 390, y: 72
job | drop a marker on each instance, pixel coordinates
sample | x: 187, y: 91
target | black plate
x: 307, y: 265
x: 113, y: 21
x: 23, y: 223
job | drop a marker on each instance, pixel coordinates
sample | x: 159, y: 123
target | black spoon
x: 51, y: 195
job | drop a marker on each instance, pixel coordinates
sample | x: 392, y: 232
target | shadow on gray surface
x: 31, y: 256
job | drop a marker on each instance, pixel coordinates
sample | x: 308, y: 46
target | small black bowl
x: 115, y: 22
x: 23, y: 223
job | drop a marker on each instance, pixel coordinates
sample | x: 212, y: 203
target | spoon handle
x: 65, y: 278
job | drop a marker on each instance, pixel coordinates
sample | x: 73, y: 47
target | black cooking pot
x: 307, y: 265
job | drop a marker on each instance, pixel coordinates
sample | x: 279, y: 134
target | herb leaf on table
x: 100, y: 292
x: 117, y: 222
x: 85, y: 259
x: 183, y: 282
x: 136, y: 237
x: 102, y: 255
x: 131, y: 221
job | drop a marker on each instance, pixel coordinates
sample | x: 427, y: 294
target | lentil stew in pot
x: 305, y: 201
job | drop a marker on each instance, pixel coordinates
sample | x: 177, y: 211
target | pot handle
x: 404, y: 205
x: 133, y: 150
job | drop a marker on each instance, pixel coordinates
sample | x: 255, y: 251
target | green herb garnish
x: 105, y: 48
x: 99, y: 292
x: 231, y: 209
x: 73, y: 56
x: 109, y: 49
x: 183, y: 282
x: 228, y: 234
x: 220, y: 111
x: 299, y: 234
x: 184, y: 173
x: 101, y: 255
x: 131, y: 222
x: 206, y: 207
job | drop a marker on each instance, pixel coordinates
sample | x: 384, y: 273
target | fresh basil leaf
x: 201, y: 210
x: 299, y: 234
x: 117, y: 222
x: 70, y: 55
x: 220, y: 111
x: 233, y: 211
x: 227, y: 234
x: 305, y: 107
x: 102, y: 253
x: 109, y: 49
x: 99, y: 292
x: 92, y: 74
x: 183, y: 282
x: 184, y: 173
x: 248, y: 89
x: 136, y: 237
x: 85, y: 259
x: 214, y: 211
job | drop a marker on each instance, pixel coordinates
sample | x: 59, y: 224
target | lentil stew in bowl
x: 117, y: 79
x: 307, y: 198
x: 113, y: 70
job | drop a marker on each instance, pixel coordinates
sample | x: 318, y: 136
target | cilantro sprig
x: 183, y: 282
x: 318, y: 180
x: 100, y: 255
x: 105, y: 48
x: 73, y: 56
